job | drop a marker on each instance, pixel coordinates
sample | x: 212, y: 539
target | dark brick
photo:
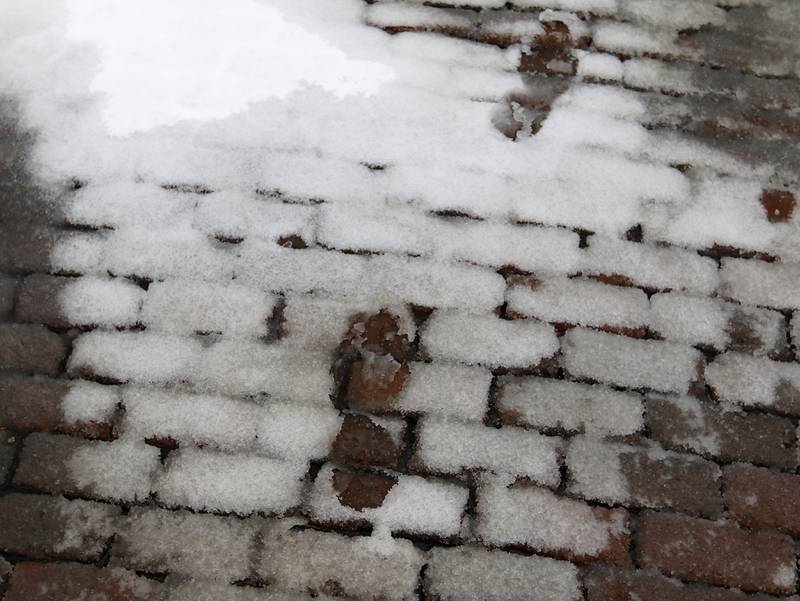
x: 43, y: 463
x: 361, y: 440
x: 375, y: 385
x: 35, y: 405
x: 8, y: 290
x: 778, y: 205
x: 41, y: 526
x: 38, y: 301
x: 361, y: 490
x: 614, y: 584
x: 699, y: 427
x: 26, y: 250
x: 31, y: 348
x: 7, y: 448
x: 759, y: 498
x: 62, y: 581
x: 717, y: 553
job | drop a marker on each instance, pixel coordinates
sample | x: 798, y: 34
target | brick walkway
x: 618, y: 426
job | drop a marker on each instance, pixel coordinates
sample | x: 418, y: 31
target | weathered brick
x: 614, y: 584
x: 717, y: 553
x: 7, y: 449
x: 30, y: 348
x: 37, y: 405
x: 8, y: 291
x: 44, y: 526
x: 47, y: 581
x: 759, y: 498
x: 686, y: 424
x: 38, y: 300
x: 375, y: 385
x: 475, y: 574
x: 536, y: 519
x: 366, y: 440
x: 644, y: 477
x: 26, y: 250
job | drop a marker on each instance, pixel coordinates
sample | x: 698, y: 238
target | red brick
x: 613, y: 584
x: 8, y: 289
x: 37, y: 301
x: 364, y: 441
x: 375, y: 386
x: 778, y: 205
x: 31, y: 349
x: 717, y: 553
x: 35, y: 405
x: 49, y: 581
x: 759, y: 498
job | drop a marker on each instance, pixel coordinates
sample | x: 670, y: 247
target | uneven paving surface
x: 621, y: 428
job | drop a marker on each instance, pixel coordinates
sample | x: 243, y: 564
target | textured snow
x: 121, y: 470
x: 756, y: 282
x: 595, y: 470
x: 101, y: 301
x: 752, y: 381
x: 89, y: 402
x: 446, y: 390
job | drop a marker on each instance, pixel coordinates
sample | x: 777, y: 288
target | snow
x: 101, y: 301
x: 476, y: 574
x: 89, y: 402
x: 451, y: 447
x: 749, y: 381
x: 629, y: 362
x: 774, y: 285
x: 120, y: 470
x: 488, y: 340
x: 446, y: 389
x: 547, y: 404
x: 596, y: 65
x: 596, y: 471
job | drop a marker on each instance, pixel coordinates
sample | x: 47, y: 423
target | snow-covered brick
x: 78, y: 252
x: 446, y: 389
x: 643, y: 477
x: 451, y: 447
x: 794, y: 332
x: 755, y: 282
x: 404, y: 15
x: 101, y: 301
x: 582, y: 302
x: 636, y: 40
x: 298, y: 432
x: 475, y: 574
x: 542, y: 521
x: 186, y: 307
x: 717, y: 324
x: 650, y: 74
x: 650, y: 266
x: 569, y: 406
x: 676, y: 14
x: 488, y: 340
x: 207, y: 546
x: 315, y: 562
x: 199, y: 589
x: 628, y: 362
x: 756, y: 382
x: 388, y: 502
x: 599, y: 66
x: 89, y: 402
x: 242, y: 484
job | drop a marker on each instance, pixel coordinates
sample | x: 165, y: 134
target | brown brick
x: 613, y: 584
x: 50, y: 581
x: 759, y: 498
x: 8, y: 289
x: 42, y: 526
x: 35, y: 405
x: 37, y: 301
x: 364, y: 441
x: 717, y: 553
x: 26, y: 250
x: 374, y: 386
x: 31, y: 348
x: 690, y: 425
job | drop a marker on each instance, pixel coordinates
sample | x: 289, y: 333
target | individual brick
x: 717, y: 324
x: 321, y: 563
x: 450, y: 447
x: 8, y: 291
x: 375, y: 384
x: 101, y: 301
x: 611, y: 359
x: 41, y: 404
x: 686, y: 424
x: 446, y: 389
x: 344, y: 496
x: 53, y: 527
x: 119, y: 470
x: 45, y: 581
x: 759, y: 498
x: 197, y: 589
x: 717, y: 553
x: 538, y: 520
x: 775, y: 285
x: 7, y: 451
x: 580, y: 302
x: 475, y: 574
x: 571, y: 407
x: 365, y: 440
x: 643, y: 477
x: 756, y: 382
x: 794, y: 331
x: 649, y: 266
x: 242, y: 484
x: 25, y: 250
x: 206, y: 546
x: 39, y: 300
x: 488, y: 340
x: 615, y: 584
x: 31, y: 348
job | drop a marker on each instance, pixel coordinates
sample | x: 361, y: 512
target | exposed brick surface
x: 49, y: 581
x: 717, y: 553
x: 759, y: 498
x: 689, y: 425
x: 25, y: 250
x: 38, y: 301
x: 30, y: 348
x: 8, y: 289
x: 7, y: 446
x: 366, y: 441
